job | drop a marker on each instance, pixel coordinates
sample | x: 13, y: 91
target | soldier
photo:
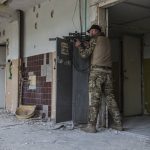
x: 100, y: 78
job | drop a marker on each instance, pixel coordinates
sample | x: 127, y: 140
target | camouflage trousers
x: 100, y: 83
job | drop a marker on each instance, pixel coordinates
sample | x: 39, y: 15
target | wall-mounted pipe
x: 21, y: 53
x: 21, y: 34
x: 80, y: 15
x: 85, y: 15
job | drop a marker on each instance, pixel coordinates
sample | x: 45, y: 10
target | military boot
x: 89, y: 128
x: 117, y: 127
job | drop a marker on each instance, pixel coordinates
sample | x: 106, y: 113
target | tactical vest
x: 101, y: 55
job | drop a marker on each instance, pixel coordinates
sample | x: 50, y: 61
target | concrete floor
x: 139, y: 125
x: 36, y: 135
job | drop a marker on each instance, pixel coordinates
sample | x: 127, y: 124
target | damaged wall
x: 9, y: 35
x: 10, y: 32
x: 43, y: 21
x: 39, y: 93
x: 49, y: 20
x: 12, y: 86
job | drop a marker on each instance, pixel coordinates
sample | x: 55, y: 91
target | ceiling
x: 130, y: 16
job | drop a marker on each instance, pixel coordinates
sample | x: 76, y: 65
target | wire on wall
x: 80, y: 13
x: 74, y: 14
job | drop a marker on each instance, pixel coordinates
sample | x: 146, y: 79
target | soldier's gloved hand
x: 86, y: 44
x: 77, y: 43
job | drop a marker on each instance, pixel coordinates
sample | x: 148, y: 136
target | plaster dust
x: 37, y: 135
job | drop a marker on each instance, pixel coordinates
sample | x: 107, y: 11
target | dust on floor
x: 37, y: 135
x: 138, y: 125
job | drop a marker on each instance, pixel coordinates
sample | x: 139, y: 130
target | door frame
x: 5, y: 76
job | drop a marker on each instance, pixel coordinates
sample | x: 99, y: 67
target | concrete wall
x: 11, y: 33
x: 12, y: 86
x: 55, y: 18
x: 64, y: 20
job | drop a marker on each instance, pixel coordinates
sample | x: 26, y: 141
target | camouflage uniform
x: 100, y: 83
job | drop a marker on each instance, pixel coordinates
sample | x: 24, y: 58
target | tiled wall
x: 42, y: 94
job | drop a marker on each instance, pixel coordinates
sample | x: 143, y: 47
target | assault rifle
x: 76, y: 35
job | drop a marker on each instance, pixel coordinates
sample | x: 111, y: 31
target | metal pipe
x: 21, y: 34
x: 85, y: 14
x: 21, y: 54
x: 80, y: 15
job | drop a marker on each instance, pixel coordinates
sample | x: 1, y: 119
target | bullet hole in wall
x: 52, y: 13
x: 37, y: 15
x: 3, y: 32
x: 35, y: 25
x: 10, y: 69
x: 7, y: 47
x: 34, y: 8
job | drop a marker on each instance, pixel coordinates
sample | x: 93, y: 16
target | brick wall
x: 42, y: 94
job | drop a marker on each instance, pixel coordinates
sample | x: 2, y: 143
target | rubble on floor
x: 33, y: 134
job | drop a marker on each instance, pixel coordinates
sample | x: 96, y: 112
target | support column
x: 102, y: 19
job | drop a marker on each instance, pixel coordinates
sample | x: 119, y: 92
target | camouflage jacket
x: 99, y: 50
x: 86, y: 51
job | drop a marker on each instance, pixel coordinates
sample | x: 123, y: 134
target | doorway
x: 2, y: 75
x: 129, y: 29
x: 129, y: 33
